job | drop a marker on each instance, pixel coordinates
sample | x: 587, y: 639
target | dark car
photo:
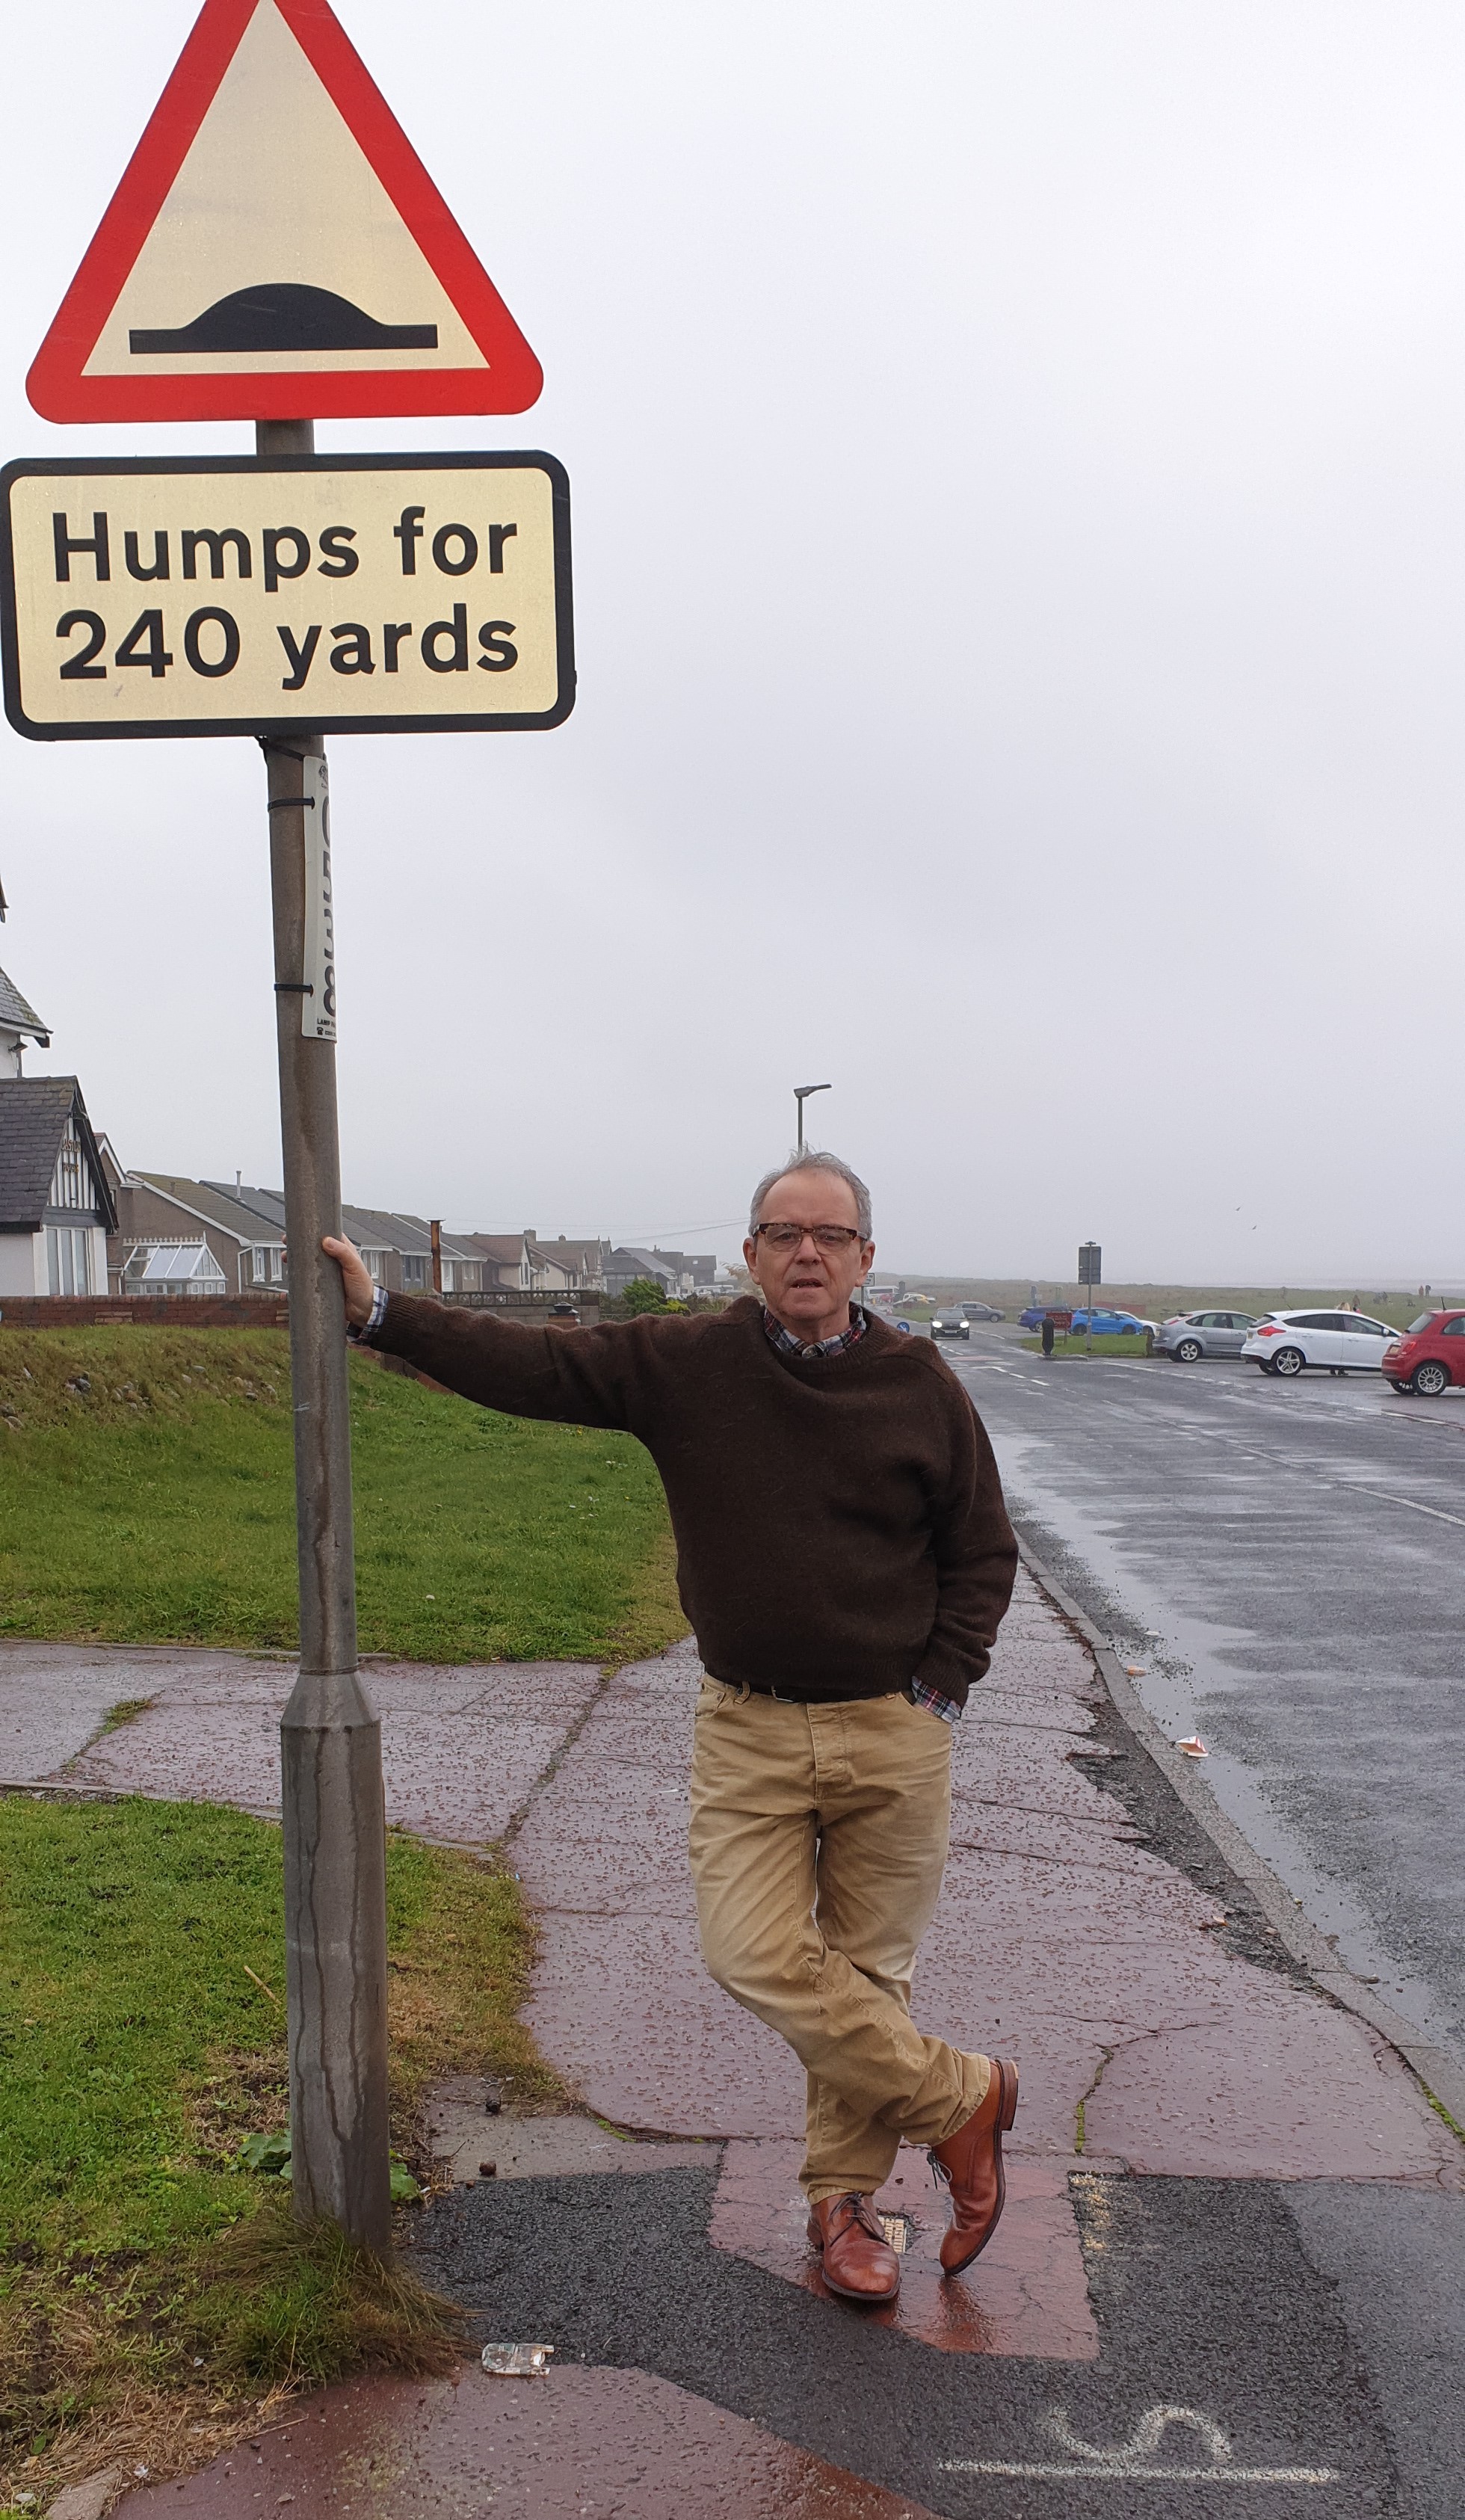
x: 1430, y: 1356
x: 983, y: 1313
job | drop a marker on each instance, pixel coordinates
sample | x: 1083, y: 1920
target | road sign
x: 277, y: 250
x: 1091, y: 1264
x: 1061, y: 1321
x: 197, y: 595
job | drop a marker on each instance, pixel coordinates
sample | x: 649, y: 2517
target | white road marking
x: 1135, y: 2459
x: 1147, y: 2475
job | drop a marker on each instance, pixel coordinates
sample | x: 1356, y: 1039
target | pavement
x: 1229, y: 2266
x: 1284, y: 1561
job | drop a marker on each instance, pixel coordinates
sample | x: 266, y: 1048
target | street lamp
x: 801, y: 1094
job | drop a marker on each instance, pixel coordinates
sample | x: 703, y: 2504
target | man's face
x: 807, y: 1287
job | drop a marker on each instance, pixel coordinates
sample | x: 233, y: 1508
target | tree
x: 645, y: 1295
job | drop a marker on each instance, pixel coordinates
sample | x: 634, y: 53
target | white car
x: 1340, y: 1342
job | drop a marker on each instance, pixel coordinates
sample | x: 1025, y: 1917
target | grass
x: 146, y: 1494
x: 1105, y: 1343
x: 141, y: 1972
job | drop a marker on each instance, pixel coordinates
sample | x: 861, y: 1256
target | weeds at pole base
x: 294, y: 2304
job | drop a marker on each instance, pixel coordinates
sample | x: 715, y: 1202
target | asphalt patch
x: 1222, y: 2346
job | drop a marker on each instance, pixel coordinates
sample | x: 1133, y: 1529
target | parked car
x: 1111, y: 1324
x: 983, y: 1313
x: 1188, y: 1336
x: 1341, y: 1342
x: 949, y: 1325
x: 1033, y: 1316
x: 1428, y: 1356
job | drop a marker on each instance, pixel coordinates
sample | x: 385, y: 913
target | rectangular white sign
x: 342, y: 594
x: 318, y: 998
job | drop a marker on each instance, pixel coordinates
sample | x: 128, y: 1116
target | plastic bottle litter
x: 518, y: 2362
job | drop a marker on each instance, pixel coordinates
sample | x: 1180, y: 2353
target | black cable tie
x: 297, y: 988
x: 282, y: 804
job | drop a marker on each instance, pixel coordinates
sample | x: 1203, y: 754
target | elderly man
x: 845, y: 1559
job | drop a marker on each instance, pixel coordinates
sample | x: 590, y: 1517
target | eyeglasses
x: 787, y: 1238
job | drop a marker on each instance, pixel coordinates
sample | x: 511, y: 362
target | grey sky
x: 1017, y: 457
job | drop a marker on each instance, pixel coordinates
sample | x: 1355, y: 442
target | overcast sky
x: 1017, y: 458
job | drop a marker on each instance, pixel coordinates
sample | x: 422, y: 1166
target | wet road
x: 1287, y: 1563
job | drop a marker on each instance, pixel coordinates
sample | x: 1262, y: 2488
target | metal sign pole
x: 329, y: 1735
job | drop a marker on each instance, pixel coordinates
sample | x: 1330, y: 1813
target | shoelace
x: 853, y: 2208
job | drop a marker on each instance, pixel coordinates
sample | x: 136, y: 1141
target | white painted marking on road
x: 1037, y: 2472
x: 1357, y: 1487
x: 1134, y: 2460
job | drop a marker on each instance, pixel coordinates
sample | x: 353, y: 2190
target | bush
x: 646, y: 1295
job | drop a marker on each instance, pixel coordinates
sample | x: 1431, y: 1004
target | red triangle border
x: 60, y: 390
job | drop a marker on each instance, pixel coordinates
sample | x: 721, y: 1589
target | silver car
x: 1191, y: 1336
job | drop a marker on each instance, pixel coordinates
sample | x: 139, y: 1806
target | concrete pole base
x: 336, y: 1954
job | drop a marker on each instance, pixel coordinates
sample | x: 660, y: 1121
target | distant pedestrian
x: 1048, y: 1334
x: 845, y: 1558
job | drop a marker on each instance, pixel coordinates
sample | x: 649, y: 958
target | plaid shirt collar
x: 788, y: 1345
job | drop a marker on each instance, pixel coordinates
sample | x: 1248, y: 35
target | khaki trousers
x: 819, y: 1834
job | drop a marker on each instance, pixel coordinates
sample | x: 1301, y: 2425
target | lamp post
x: 801, y: 1094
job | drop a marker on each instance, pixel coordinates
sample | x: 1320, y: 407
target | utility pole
x: 801, y: 1094
x: 333, y: 1808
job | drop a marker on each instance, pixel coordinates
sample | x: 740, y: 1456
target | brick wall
x: 170, y: 1312
x: 237, y: 1312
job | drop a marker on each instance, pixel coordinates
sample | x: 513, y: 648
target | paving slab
x: 1026, y: 2294
x: 462, y: 1744
x: 573, y: 2444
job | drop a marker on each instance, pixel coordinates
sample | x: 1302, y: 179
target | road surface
x: 1286, y: 1563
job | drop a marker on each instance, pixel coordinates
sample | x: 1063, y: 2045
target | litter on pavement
x: 1194, y: 1747
x: 518, y: 2362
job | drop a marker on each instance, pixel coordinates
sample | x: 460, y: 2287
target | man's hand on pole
x: 356, y: 1279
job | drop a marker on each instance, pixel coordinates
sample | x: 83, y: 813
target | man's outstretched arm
x: 596, y: 1378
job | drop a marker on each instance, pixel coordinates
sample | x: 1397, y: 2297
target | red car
x: 1430, y: 1356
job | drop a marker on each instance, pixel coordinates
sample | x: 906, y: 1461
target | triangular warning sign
x: 277, y: 250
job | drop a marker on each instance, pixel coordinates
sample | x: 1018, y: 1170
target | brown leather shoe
x: 859, y: 2261
x: 970, y: 2161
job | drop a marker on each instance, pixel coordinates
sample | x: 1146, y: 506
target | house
x: 161, y: 1208
x: 173, y: 1268
x: 55, y: 1208
x: 522, y: 1262
x: 398, y: 1251
x: 678, y: 1274
x: 19, y: 1023
x: 583, y: 1262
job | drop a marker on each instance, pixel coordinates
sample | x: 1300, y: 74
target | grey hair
x: 814, y: 1159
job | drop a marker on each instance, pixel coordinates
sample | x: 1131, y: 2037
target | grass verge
x: 155, y: 2299
x: 147, y: 1495
x: 1104, y: 1345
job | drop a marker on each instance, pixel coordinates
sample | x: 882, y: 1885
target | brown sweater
x: 840, y: 1520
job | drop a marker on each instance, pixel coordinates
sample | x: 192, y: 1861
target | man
x: 845, y: 1559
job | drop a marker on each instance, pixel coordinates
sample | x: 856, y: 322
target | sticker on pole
x: 277, y: 250
x: 344, y: 594
x: 318, y: 995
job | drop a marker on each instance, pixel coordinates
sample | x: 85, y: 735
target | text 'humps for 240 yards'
x: 148, y: 601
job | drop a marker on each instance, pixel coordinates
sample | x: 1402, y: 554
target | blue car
x: 1111, y: 1324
